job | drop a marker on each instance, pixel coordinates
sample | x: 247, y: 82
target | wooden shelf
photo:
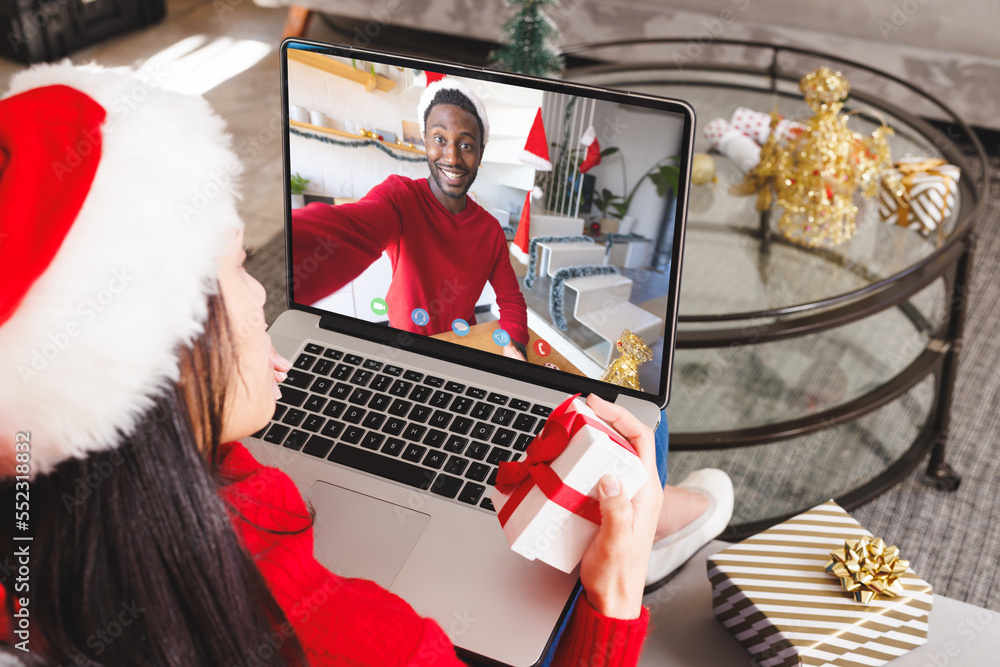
x: 370, y: 81
x: 348, y: 135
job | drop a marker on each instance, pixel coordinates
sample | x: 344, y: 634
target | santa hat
x: 449, y: 83
x: 593, y: 156
x: 116, y: 199
x: 536, y: 148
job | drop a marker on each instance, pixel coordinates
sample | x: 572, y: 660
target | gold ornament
x: 702, y: 169
x: 815, y: 174
x: 624, y: 371
x: 867, y: 567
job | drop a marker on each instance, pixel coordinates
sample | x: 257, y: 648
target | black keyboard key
x: 372, y: 440
x: 414, y: 452
x: 321, y: 385
x: 487, y: 504
x: 492, y: 481
x: 518, y: 404
x: 456, y: 443
x: 434, y: 381
x: 499, y: 399
x: 539, y: 426
x: 419, y: 413
x: 399, y: 407
x: 279, y: 410
x: 373, y: 420
x: 401, y: 388
x: 522, y: 441
x: 383, y: 466
x: 373, y: 365
x: 478, y: 471
x: 434, y: 459
x: 353, y: 359
x: 293, y: 417
x: 456, y: 465
x: 324, y: 366
x: 413, y: 376
x: 482, y: 411
x: 341, y: 390
x: 381, y: 382
x: 315, y: 404
x: 353, y: 434
x: 333, y: 354
x: 313, y: 423
x: 276, y: 434
x: 360, y: 396
x: 380, y: 402
x: 332, y: 429
x: 541, y: 411
x: 503, y: 437
x: 447, y: 486
x: 461, y: 425
x: 296, y: 439
x: 421, y: 393
x: 471, y: 493
x: 440, y: 419
x: 482, y: 431
x: 525, y: 423
x: 393, y: 426
x: 291, y: 396
x: 304, y: 361
x: 361, y: 377
x: 414, y: 432
x: 393, y: 447
x: 318, y: 446
x: 461, y: 405
x: 475, y: 392
x: 334, y: 409
x: 441, y: 399
x: 435, y: 438
x: 341, y: 372
x: 394, y: 371
x: 354, y: 414
x: 313, y: 348
x: 454, y: 387
x: 297, y: 378
x: 497, y: 455
x: 503, y: 416
x: 478, y: 451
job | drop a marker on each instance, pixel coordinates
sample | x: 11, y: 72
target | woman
x: 133, y: 345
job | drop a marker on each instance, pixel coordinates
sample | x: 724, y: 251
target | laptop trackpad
x: 360, y: 536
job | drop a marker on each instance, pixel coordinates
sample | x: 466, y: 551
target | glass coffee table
x: 805, y: 373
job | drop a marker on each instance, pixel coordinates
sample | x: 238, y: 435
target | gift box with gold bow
x: 818, y: 589
x: 919, y: 193
x: 547, y: 500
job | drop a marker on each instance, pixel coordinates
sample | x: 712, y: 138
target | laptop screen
x: 521, y: 225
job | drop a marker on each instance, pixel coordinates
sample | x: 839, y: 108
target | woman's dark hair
x: 134, y: 559
x: 458, y: 99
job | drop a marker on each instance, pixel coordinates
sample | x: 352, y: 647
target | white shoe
x: 674, y: 550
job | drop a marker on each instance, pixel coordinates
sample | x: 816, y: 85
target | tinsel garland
x: 357, y: 144
x: 617, y: 238
x: 529, y: 280
x: 557, y: 293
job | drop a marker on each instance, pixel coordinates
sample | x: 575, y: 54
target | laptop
x: 444, y: 297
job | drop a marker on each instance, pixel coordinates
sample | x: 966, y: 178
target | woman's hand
x: 281, y: 366
x: 613, y: 570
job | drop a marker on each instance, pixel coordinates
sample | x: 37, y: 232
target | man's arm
x: 513, y: 310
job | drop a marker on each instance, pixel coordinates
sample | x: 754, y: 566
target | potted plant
x: 297, y: 186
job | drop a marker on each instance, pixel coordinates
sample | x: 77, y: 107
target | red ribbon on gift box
x: 517, y: 478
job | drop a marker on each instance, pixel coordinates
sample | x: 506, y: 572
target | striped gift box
x: 919, y: 194
x: 772, y: 593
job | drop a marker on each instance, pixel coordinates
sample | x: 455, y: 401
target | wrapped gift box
x: 919, y: 193
x: 554, y: 517
x: 773, y: 594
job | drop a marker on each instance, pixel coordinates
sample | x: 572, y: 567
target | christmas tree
x: 529, y: 41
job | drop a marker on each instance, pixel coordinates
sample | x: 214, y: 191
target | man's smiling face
x: 454, y: 151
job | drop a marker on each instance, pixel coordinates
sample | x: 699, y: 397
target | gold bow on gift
x: 867, y: 567
x: 900, y: 182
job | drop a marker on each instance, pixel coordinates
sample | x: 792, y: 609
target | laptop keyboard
x: 420, y: 430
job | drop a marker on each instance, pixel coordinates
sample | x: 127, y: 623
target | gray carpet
x: 952, y: 539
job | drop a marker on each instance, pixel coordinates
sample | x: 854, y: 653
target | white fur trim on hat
x: 96, y: 336
x: 453, y: 84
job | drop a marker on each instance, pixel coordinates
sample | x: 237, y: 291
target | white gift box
x: 539, y: 528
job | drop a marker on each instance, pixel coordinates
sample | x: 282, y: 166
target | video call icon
x: 460, y: 327
x: 379, y: 306
x: 420, y: 317
x: 501, y: 337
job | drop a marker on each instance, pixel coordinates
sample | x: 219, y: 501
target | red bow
x: 534, y: 468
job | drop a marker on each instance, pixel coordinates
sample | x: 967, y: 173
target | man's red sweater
x: 342, y: 621
x: 440, y: 261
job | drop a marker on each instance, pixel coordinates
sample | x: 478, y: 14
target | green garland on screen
x: 357, y: 144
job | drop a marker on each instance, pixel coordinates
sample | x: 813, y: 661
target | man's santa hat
x: 536, y: 148
x: 449, y: 83
x: 116, y: 199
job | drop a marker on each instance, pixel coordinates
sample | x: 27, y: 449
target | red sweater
x: 356, y: 622
x: 440, y: 261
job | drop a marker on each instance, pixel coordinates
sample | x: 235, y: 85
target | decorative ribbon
x: 908, y: 173
x: 517, y: 478
x: 867, y: 567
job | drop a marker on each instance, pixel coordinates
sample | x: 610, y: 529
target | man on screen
x: 442, y: 245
